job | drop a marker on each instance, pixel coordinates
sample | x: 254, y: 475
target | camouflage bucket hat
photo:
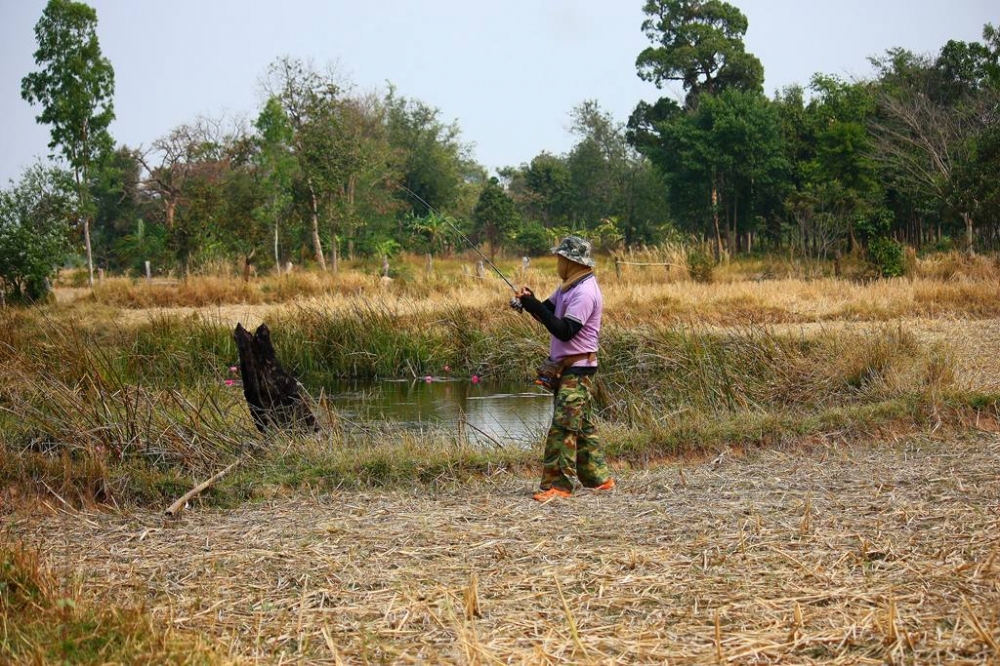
x: 575, y: 249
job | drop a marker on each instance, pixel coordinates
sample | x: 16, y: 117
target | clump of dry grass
x: 650, y: 265
x: 44, y: 620
x: 958, y: 267
x: 753, y: 290
x: 194, y: 292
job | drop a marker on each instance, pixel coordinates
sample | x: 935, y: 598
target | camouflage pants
x: 572, y: 448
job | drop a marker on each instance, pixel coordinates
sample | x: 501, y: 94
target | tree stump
x: 273, y: 395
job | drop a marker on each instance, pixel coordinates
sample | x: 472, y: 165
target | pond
x: 487, y: 412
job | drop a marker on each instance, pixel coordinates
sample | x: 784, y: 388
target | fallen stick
x: 178, y: 506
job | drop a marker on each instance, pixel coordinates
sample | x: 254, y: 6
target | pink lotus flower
x: 475, y: 379
x: 229, y: 382
x: 447, y: 368
x: 233, y: 369
x: 428, y: 379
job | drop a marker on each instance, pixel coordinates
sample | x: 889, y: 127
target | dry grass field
x: 874, y: 552
x: 844, y: 547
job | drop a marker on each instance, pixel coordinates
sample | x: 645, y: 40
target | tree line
x: 907, y: 157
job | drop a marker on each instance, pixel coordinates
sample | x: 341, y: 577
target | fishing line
x: 462, y: 236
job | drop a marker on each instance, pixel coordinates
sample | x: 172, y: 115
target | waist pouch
x: 549, y: 372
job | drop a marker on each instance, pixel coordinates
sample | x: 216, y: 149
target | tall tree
x: 619, y: 177
x: 186, y: 170
x: 547, y: 189
x: 276, y: 169
x: 74, y: 86
x: 431, y: 153
x: 931, y: 115
x: 117, y: 210
x: 495, y: 217
x: 306, y: 98
x: 361, y: 167
x: 698, y: 43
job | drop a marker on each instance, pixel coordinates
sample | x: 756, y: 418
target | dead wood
x: 274, y: 396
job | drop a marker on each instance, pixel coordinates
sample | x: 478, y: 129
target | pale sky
x: 509, y: 73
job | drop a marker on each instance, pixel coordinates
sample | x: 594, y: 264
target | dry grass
x: 647, y: 296
x: 833, y: 553
x: 837, y: 554
x: 45, y: 619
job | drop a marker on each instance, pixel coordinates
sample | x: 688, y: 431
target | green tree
x: 749, y: 163
x: 187, y: 171
x: 74, y: 87
x: 34, y: 228
x: 432, y: 156
x: 348, y: 170
x: 276, y: 169
x: 623, y: 183
x: 547, y: 191
x: 240, y: 229
x: 928, y: 126
x: 117, y: 208
x: 698, y: 43
x: 495, y: 217
x: 364, y: 170
x: 725, y: 162
x: 832, y: 189
x: 306, y: 98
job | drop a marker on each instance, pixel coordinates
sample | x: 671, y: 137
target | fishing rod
x: 514, y: 302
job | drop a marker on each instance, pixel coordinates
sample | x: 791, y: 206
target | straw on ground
x: 834, y: 554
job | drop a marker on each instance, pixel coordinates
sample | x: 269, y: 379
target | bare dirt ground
x: 878, y: 552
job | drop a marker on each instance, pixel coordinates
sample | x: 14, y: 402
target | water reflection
x: 487, y: 411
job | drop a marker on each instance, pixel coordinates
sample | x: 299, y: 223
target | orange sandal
x: 607, y: 485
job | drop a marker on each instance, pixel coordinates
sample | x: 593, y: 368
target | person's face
x: 562, y: 267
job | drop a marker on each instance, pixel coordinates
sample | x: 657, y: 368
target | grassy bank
x: 97, y: 406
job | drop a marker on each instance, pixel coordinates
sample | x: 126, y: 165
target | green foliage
x: 34, y: 231
x: 532, y: 240
x: 606, y: 235
x: 118, y: 209
x: 888, y: 256
x: 74, y: 87
x: 432, y: 162
x: 437, y: 231
x: 699, y: 44
x: 700, y: 265
x: 549, y: 191
x: 603, y: 177
x: 495, y: 217
x: 729, y: 151
x: 75, y: 83
x: 911, y: 153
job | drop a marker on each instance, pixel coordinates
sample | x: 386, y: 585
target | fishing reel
x: 515, y: 303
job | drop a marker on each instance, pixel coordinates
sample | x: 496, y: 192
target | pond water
x: 486, y: 412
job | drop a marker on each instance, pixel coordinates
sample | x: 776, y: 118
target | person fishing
x: 572, y: 316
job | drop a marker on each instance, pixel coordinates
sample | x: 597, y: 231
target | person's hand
x: 525, y: 292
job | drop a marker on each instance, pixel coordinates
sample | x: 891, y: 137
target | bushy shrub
x: 700, y: 266
x: 532, y: 240
x: 34, y: 229
x: 888, y: 256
